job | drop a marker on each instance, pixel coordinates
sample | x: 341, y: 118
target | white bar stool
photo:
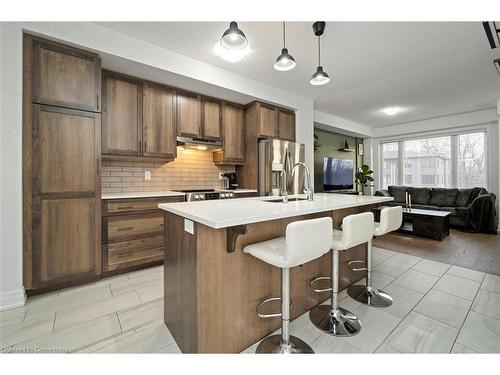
x: 390, y: 220
x: 305, y: 241
x: 335, y: 320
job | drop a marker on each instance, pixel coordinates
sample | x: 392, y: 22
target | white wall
x: 339, y: 124
x: 99, y: 39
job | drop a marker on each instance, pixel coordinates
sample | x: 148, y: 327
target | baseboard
x: 12, y: 299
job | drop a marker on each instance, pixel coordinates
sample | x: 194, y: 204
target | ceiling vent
x: 492, y: 33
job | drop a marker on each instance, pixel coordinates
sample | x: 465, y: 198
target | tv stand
x: 350, y: 192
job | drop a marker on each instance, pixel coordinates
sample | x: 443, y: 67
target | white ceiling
x: 428, y: 68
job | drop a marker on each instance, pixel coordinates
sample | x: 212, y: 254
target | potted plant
x: 364, y: 178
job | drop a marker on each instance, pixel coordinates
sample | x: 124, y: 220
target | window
x: 390, y: 164
x: 471, y: 160
x: 431, y: 157
x: 450, y: 161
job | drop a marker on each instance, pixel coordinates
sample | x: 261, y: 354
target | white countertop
x: 227, y: 213
x: 142, y: 194
x: 166, y: 193
x: 238, y: 191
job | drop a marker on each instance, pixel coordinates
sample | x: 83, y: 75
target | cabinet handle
x: 124, y: 229
x: 139, y: 144
x: 97, y: 97
x: 145, y: 147
x: 97, y: 167
x: 127, y: 253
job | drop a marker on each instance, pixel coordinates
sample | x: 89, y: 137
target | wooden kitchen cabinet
x: 188, y: 115
x: 159, y: 129
x: 286, y: 125
x: 132, y: 233
x: 66, y: 210
x: 65, y: 76
x: 268, y: 121
x: 233, y: 135
x: 211, y: 119
x: 121, y: 115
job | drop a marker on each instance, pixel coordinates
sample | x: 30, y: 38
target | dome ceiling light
x: 285, y: 61
x: 233, y: 38
x: 320, y: 77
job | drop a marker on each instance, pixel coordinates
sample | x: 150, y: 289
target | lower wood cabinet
x: 132, y: 233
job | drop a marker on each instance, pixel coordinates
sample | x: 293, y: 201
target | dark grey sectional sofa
x: 473, y: 209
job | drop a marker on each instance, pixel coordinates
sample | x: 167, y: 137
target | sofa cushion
x: 419, y: 195
x: 424, y: 207
x: 463, y: 197
x: 443, y: 197
x: 398, y: 193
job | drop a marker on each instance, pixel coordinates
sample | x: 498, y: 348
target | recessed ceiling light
x: 391, y: 111
x: 231, y: 55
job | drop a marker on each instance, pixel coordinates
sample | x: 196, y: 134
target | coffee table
x: 419, y: 222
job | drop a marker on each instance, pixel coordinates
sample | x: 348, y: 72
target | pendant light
x: 285, y: 61
x: 320, y: 77
x: 233, y: 38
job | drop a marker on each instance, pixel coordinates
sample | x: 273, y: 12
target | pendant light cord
x: 319, y: 52
x: 284, y: 33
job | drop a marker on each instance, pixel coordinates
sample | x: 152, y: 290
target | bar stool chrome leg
x: 367, y: 294
x: 333, y: 319
x: 284, y: 343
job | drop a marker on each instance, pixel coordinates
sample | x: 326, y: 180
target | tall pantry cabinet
x: 61, y: 165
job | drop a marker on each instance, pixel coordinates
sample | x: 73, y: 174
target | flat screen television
x: 337, y: 174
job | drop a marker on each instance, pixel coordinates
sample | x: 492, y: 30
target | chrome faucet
x: 308, y: 189
x: 284, y: 189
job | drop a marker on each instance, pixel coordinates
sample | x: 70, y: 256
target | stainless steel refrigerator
x: 276, y: 155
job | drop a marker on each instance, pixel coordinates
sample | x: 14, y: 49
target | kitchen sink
x: 280, y: 200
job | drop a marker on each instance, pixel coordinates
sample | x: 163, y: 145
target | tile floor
x: 438, y: 308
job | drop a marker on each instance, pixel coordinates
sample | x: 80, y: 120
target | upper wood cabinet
x: 188, y: 114
x: 65, y: 76
x: 233, y: 134
x: 138, y: 118
x: 286, y: 125
x: 211, y: 119
x: 268, y: 120
x: 121, y: 115
x: 159, y: 130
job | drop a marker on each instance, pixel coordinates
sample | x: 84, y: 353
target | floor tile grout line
x: 468, y: 312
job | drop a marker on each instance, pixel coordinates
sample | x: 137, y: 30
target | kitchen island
x: 212, y: 288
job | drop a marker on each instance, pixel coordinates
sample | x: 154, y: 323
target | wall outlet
x: 147, y: 175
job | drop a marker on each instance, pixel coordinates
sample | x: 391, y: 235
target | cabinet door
x: 233, y: 128
x: 211, y: 119
x: 268, y: 118
x: 66, y: 76
x: 65, y: 154
x: 122, y: 115
x: 188, y: 115
x: 159, y: 122
x: 66, y: 240
x: 286, y: 122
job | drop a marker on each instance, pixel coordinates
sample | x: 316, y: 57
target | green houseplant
x: 364, y: 176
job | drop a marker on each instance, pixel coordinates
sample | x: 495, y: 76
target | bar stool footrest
x: 313, y: 281
x: 351, y: 266
x: 270, y: 315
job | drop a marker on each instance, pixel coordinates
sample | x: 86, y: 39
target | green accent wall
x: 330, y: 143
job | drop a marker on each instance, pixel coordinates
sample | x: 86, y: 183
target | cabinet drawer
x: 132, y: 253
x: 121, y: 228
x: 119, y: 206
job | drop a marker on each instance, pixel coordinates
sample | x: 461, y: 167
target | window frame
x: 454, y: 154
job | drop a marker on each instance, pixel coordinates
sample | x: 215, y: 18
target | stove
x: 205, y: 194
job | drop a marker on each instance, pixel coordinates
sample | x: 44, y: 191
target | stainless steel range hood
x: 199, y: 144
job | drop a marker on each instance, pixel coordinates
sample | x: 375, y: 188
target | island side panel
x: 180, y: 280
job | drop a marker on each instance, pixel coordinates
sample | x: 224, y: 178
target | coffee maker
x: 231, y: 178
